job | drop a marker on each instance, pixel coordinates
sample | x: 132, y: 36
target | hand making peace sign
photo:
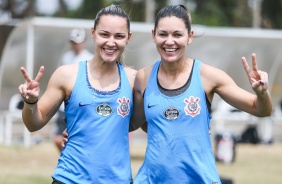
x: 30, y: 89
x: 257, y: 78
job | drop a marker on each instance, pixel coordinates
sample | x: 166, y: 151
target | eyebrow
x: 177, y: 31
x: 115, y: 33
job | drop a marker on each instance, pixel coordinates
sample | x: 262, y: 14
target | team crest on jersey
x: 123, y: 108
x: 104, y: 109
x: 171, y: 113
x: 192, y: 107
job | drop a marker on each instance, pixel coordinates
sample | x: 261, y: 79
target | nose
x: 169, y: 40
x: 111, y: 42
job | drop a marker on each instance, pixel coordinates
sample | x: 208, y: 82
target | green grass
x: 19, y: 165
x: 254, y: 164
x: 17, y: 179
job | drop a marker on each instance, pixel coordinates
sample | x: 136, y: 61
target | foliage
x: 234, y: 13
x: 35, y: 165
x: 87, y: 10
x: 271, y: 14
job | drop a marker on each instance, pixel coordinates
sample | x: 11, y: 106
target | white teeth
x: 107, y: 50
x: 170, y: 50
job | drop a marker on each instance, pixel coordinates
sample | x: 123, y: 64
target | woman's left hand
x: 257, y: 78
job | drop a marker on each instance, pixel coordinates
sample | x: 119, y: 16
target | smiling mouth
x: 170, y: 50
x: 109, y: 50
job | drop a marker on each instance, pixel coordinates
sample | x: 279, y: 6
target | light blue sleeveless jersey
x: 179, y: 150
x: 97, y: 150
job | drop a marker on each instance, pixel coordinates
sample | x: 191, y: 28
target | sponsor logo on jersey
x: 104, y: 109
x: 171, y: 113
x: 192, y: 107
x: 123, y: 108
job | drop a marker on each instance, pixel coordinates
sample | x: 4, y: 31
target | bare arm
x: 37, y: 115
x: 258, y: 104
x: 138, y: 117
x: 259, y: 82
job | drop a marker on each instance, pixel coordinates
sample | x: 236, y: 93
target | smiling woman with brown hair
x: 174, y: 97
x: 98, y: 101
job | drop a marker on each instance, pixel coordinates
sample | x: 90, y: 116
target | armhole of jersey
x: 157, y: 64
x: 79, y: 70
x: 206, y: 96
x: 123, y: 75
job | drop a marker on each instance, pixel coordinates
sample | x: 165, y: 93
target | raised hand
x: 257, y: 78
x: 30, y: 89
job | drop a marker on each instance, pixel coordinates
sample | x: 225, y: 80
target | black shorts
x: 57, y: 181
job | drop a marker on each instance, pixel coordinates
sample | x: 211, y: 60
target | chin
x: 108, y: 59
x: 169, y: 59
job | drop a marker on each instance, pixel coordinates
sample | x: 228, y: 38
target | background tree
x: 87, y: 10
x: 231, y: 13
x: 18, y: 8
x: 271, y: 14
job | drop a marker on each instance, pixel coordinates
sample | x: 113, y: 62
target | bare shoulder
x: 130, y: 71
x: 131, y: 74
x: 142, y: 78
x: 64, y: 77
x: 211, y: 73
x: 145, y: 72
x: 214, y: 79
x: 208, y: 69
x: 66, y: 71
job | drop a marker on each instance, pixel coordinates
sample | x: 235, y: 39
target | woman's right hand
x: 30, y: 89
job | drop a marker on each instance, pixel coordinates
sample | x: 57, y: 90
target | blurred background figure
x: 77, y: 53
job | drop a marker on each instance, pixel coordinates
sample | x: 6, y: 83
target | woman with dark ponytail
x: 98, y: 101
x: 174, y: 96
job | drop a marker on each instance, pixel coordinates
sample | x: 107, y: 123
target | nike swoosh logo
x: 149, y: 105
x: 83, y: 104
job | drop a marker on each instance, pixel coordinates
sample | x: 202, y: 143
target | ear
x: 190, y: 37
x: 129, y: 37
x: 92, y: 32
x: 153, y: 36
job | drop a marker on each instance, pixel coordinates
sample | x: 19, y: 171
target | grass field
x: 254, y: 164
